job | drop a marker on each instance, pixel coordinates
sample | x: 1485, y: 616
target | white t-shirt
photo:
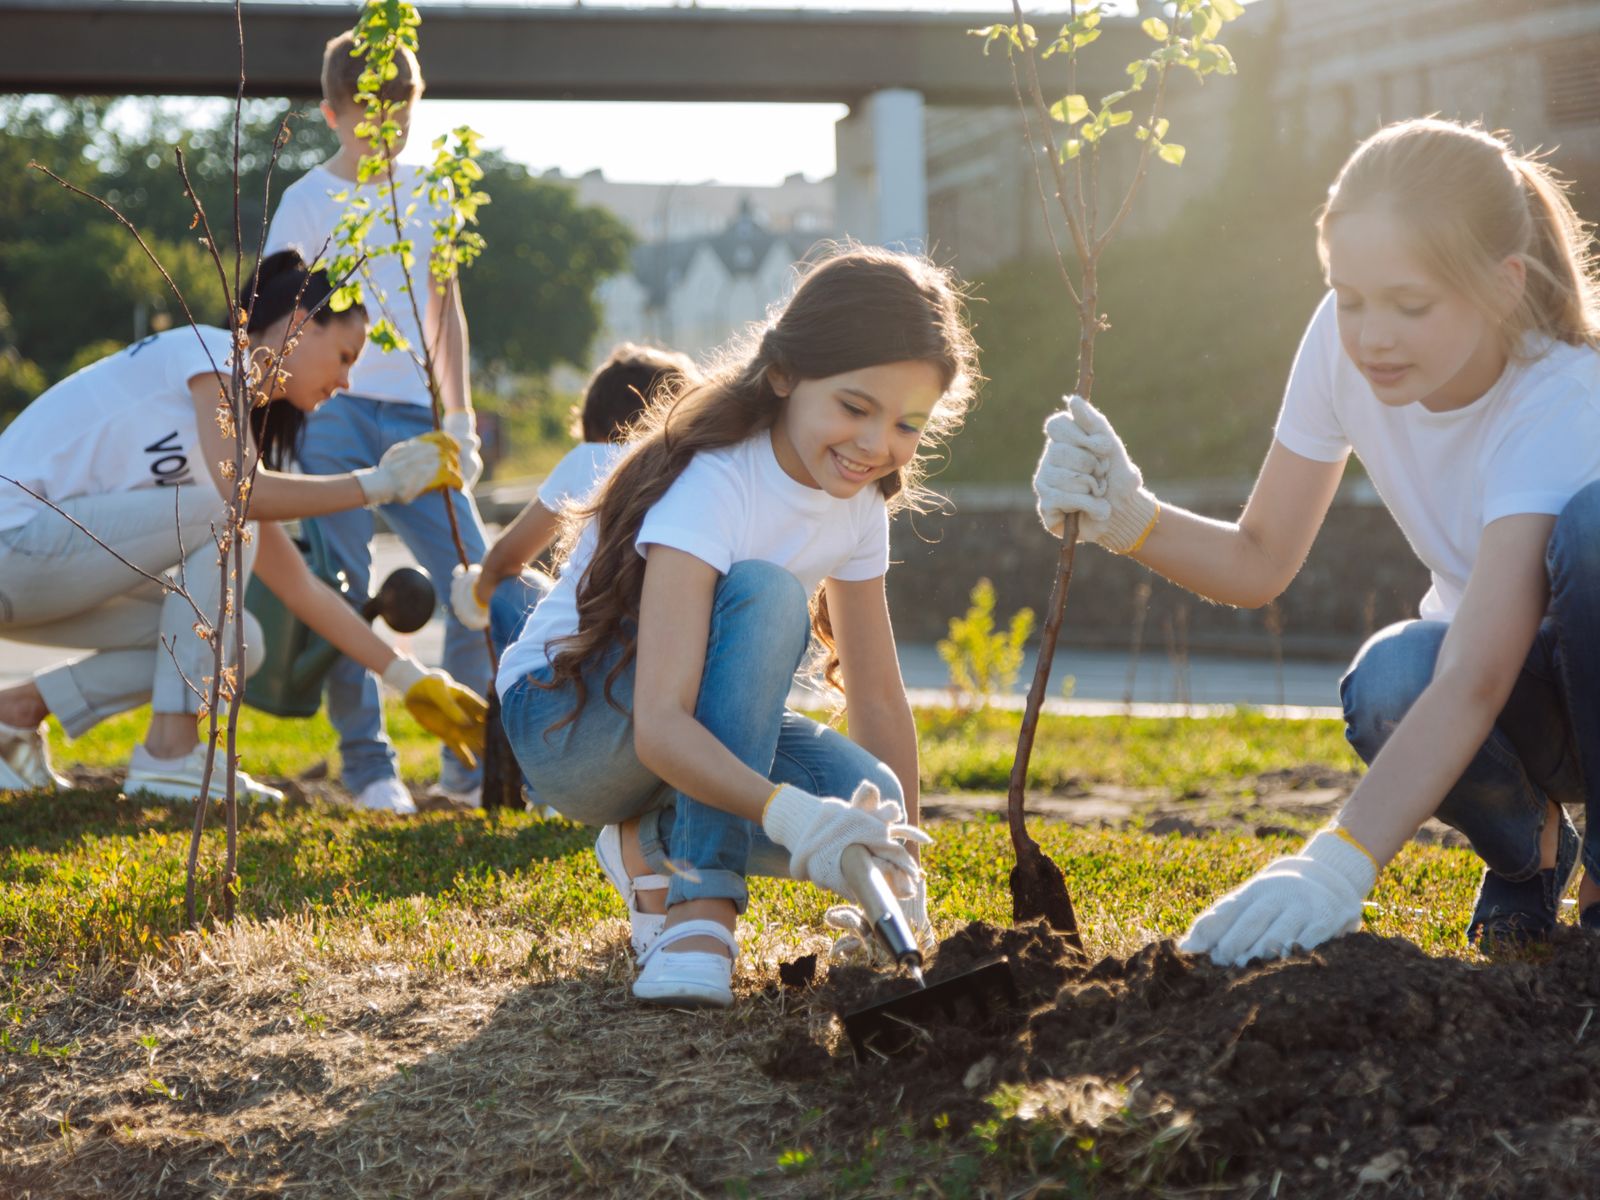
x: 1527, y: 445
x: 575, y: 476
x: 306, y: 217
x: 122, y: 423
x: 729, y: 505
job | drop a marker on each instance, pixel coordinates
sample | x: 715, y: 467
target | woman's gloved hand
x: 857, y: 943
x: 1299, y: 901
x: 1085, y: 469
x: 462, y: 427
x: 816, y: 829
x: 452, y: 713
x: 409, y: 468
x: 464, y: 602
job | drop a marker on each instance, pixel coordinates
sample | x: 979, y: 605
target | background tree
x: 532, y: 301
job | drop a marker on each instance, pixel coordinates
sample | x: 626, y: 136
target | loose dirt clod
x: 1365, y: 1066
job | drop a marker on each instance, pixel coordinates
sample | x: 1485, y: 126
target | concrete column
x: 881, y: 185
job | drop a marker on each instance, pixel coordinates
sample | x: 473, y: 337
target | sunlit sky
x: 749, y: 144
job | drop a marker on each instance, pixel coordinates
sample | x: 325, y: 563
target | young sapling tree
x: 1184, y: 39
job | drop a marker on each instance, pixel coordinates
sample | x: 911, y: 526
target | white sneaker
x: 25, y: 761
x: 179, y: 778
x: 386, y: 795
x: 689, y: 978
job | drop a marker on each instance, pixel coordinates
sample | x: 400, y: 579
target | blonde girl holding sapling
x: 1456, y: 354
x: 646, y: 694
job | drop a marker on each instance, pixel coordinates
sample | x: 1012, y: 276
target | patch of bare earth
x: 1364, y: 1069
x: 1274, y: 802
x: 262, y: 1063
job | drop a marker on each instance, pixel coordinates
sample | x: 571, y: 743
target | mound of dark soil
x: 1365, y: 1067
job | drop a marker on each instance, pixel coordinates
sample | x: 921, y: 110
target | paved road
x: 1103, y: 680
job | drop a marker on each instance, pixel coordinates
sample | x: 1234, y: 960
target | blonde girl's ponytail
x: 1562, y: 294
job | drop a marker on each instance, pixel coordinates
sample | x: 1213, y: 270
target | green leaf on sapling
x: 1173, y: 153
x: 1070, y: 109
x: 1156, y: 28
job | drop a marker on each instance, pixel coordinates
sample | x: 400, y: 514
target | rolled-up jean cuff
x: 66, y: 700
x: 654, y: 833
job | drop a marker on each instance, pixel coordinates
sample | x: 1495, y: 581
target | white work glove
x: 816, y: 830
x: 1295, y: 902
x: 409, y: 468
x: 464, y: 597
x: 463, y: 427
x: 857, y: 943
x: 1085, y: 469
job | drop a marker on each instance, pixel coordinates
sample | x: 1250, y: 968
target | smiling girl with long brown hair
x: 646, y: 694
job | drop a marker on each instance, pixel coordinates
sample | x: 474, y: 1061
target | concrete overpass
x: 884, y: 65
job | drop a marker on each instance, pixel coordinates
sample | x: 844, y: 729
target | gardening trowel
x: 893, y: 1026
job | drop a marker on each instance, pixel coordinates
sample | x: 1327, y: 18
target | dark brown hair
x: 622, y: 386
x: 858, y: 307
x: 281, y: 284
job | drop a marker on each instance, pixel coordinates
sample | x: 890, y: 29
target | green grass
x: 86, y: 876
x: 1185, y: 756
x: 960, y: 751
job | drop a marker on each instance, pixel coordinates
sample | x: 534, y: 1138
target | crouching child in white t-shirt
x: 646, y: 694
x: 1457, y: 354
x: 498, y: 594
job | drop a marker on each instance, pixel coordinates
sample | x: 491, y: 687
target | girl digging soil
x: 646, y: 693
x: 114, y: 447
x: 1456, y: 354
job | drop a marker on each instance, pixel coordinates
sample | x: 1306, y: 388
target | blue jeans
x: 589, y: 772
x: 1545, y: 745
x: 347, y: 433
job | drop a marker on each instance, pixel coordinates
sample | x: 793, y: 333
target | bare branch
x: 1144, y: 164
x: 1074, y: 222
x: 1038, y: 179
x: 149, y: 253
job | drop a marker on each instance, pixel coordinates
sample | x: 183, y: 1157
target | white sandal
x: 690, y: 978
x: 646, y: 927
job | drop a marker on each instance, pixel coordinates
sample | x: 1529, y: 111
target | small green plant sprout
x: 1185, y: 39
x: 981, y: 659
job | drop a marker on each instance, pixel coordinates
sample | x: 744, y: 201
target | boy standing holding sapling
x: 387, y: 402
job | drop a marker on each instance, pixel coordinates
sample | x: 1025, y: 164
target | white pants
x: 58, y: 588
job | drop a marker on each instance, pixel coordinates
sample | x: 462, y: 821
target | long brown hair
x: 1469, y: 202
x: 857, y: 307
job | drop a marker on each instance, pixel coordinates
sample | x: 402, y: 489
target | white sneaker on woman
x: 179, y: 778
x: 690, y: 978
x: 25, y: 761
x: 387, y: 795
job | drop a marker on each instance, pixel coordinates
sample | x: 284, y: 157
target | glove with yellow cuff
x: 1296, y: 902
x: 407, y: 469
x: 452, y: 713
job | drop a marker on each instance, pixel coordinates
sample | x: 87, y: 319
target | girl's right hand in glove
x: 1085, y: 469
x: 464, y: 597
x: 816, y: 829
x: 409, y: 468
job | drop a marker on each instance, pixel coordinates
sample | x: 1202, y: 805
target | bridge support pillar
x: 882, y: 184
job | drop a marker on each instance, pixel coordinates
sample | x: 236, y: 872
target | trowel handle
x: 883, y: 911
